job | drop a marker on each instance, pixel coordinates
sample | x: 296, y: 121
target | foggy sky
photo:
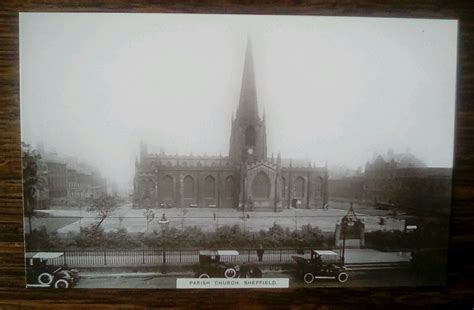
x: 335, y: 89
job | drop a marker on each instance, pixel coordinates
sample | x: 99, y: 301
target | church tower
x: 248, y: 139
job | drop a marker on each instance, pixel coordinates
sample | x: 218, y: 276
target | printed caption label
x: 193, y: 283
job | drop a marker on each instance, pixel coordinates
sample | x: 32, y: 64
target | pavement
x: 135, y: 222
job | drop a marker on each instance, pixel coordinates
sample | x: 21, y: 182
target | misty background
x: 334, y: 89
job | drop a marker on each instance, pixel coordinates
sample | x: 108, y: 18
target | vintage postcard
x: 236, y: 151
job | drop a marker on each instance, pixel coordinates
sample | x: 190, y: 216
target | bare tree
x: 120, y: 221
x: 104, y: 206
x: 32, y: 181
x: 149, y: 216
x: 184, y: 211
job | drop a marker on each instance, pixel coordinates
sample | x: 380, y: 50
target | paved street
x: 376, y: 278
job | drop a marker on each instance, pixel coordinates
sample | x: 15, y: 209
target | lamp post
x: 344, y: 224
x: 163, y: 224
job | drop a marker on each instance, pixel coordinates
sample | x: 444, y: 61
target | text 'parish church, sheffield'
x: 245, y: 179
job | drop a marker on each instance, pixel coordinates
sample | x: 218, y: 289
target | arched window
x: 320, y: 187
x: 146, y: 189
x: 229, y: 187
x: 282, y: 186
x: 167, y: 188
x: 250, y: 136
x: 261, y: 186
x: 299, y: 187
x: 188, y: 190
x: 209, y: 186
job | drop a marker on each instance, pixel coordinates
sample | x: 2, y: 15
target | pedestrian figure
x: 260, y: 253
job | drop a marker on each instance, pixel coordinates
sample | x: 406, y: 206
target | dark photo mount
x: 411, y: 225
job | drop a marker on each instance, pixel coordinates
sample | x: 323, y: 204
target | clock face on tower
x: 250, y: 151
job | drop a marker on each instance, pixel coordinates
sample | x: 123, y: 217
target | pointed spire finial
x: 248, y: 110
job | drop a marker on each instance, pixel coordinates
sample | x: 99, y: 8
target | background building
x: 399, y: 181
x: 66, y: 180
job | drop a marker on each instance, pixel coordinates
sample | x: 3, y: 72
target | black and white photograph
x: 236, y: 151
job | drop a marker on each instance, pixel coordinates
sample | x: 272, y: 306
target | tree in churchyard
x: 149, y: 216
x: 184, y: 211
x: 104, y: 206
x: 32, y: 181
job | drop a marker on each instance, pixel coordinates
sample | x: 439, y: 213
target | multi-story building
x: 403, y: 183
x: 246, y: 178
x: 57, y: 179
x: 66, y: 180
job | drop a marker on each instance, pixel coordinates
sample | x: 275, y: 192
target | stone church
x: 246, y: 179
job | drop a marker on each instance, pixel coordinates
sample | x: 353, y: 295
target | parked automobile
x: 322, y: 264
x: 224, y: 264
x: 41, y: 274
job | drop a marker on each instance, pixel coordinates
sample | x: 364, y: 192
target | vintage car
x: 223, y: 264
x: 323, y: 264
x: 41, y: 274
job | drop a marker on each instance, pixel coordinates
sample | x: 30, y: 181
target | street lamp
x: 344, y: 224
x: 163, y: 224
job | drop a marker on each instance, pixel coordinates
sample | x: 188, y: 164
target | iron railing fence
x: 90, y: 258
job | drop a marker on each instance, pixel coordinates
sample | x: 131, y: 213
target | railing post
x: 248, y: 257
x: 65, y: 257
x: 280, y: 255
x: 143, y: 257
x: 180, y: 256
x: 105, y: 258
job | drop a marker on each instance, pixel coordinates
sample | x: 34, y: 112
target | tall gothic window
x: 319, y: 189
x: 250, y: 136
x: 209, y: 186
x: 146, y: 189
x: 299, y: 187
x: 282, y: 185
x: 229, y: 187
x: 167, y: 188
x: 188, y: 190
x: 261, y: 186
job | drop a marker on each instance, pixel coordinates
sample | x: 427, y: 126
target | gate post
x: 105, y: 258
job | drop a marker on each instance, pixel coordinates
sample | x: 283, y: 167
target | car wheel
x: 308, y: 278
x: 45, y: 278
x: 254, y: 272
x: 230, y: 273
x: 61, y: 283
x: 204, y: 276
x: 342, y: 277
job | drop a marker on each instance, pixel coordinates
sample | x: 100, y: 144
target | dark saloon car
x: 41, y: 274
x: 323, y: 264
x: 223, y: 264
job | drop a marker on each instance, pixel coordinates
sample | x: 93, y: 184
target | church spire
x: 248, y: 109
